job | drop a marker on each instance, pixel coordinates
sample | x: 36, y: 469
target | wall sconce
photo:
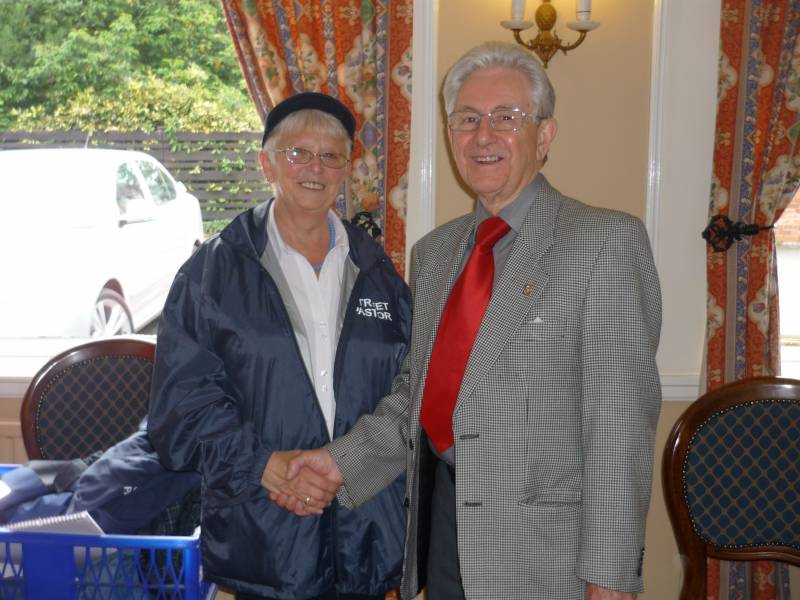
x: 547, y: 43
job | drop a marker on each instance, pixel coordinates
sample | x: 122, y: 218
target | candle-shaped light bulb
x: 583, y: 9
x: 517, y: 10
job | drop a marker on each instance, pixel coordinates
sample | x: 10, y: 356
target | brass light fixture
x: 547, y: 43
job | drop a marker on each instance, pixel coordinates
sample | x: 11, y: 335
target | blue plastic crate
x: 43, y: 566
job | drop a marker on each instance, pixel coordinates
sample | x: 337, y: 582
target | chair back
x: 731, y: 477
x: 87, y: 399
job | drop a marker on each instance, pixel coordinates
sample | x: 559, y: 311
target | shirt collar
x: 275, y: 237
x: 342, y: 241
x: 515, y: 212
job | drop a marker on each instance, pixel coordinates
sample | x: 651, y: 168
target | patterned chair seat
x: 731, y: 477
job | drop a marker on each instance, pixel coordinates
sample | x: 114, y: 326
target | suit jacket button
x: 410, y: 444
x: 406, y: 503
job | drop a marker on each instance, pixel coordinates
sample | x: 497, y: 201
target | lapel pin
x: 528, y: 289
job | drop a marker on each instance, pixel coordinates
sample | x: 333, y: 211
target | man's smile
x: 487, y: 159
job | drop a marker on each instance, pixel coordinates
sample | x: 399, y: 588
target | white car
x: 91, y: 240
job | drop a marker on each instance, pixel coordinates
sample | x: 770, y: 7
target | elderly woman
x: 278, y: 333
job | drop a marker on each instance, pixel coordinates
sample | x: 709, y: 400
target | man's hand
x: 595, y: 592
x: 305, y: 464
x: 307, y: 492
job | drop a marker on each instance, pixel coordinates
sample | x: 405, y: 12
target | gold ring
x: 307, y: 500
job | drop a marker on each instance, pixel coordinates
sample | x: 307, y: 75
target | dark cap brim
x: 309, y: 101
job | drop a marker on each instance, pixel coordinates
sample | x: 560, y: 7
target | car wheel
x: 110, y: 315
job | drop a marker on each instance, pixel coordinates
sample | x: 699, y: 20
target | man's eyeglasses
x: 507, y: 119
x: 301, y: 156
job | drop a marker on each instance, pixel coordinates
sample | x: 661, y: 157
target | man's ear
x: 266, y: 166
x: 544, y: 137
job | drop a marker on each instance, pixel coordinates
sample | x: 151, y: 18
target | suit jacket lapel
x: 520, y: 284
x: 442, y: 281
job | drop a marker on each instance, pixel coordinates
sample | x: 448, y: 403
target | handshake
x: 302, y: 481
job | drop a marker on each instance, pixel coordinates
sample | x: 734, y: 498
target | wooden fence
x: 221, y: 169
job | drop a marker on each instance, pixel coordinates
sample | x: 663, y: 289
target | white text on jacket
x: 370, y: 308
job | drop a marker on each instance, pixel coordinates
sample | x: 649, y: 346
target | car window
x: 128, y: 188
x: 161, y: 186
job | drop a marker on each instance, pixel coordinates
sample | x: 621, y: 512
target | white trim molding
x: 13, y: 387
x: 683, y: 105
x: 656, y: 123
x: 420, y: 202
x: 680, y: 386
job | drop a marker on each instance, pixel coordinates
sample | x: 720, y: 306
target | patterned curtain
x: 756, y: 173
x: 358, y: 51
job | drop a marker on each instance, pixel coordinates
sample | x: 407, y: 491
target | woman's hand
x: 307, y: 492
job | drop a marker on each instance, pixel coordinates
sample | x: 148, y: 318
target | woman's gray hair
x: 320, y: 122
x: 502, y: 55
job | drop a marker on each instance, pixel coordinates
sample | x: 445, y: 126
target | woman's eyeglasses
x: 301, y: 156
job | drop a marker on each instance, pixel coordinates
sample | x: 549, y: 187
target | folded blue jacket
x: 124, y: 489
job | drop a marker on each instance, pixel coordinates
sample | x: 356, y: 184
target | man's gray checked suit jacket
x: 557, y: 412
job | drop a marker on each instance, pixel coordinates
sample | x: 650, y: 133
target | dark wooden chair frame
x: 693, y: 550
x: 42, y: 380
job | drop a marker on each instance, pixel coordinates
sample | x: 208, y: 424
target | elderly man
x: 526, y: 411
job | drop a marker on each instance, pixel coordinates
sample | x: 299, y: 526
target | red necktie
x: 457, y: 331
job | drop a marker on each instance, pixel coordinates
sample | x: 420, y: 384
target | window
x: 82, y: 223
x: 787, y: 236
x: 128, y: 188
x: 160, y: 184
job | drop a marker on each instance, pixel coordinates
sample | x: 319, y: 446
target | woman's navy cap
x: 305, y: 101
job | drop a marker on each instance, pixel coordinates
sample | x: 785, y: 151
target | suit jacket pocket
x: 555, y: 498
x: 547, y: 536
x: 542, y: 327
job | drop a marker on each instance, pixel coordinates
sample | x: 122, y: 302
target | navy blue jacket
x: 230, y: 386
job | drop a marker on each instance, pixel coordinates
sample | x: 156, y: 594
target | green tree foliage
x: 119, y: 65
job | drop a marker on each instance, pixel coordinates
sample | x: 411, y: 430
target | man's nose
x: 485, y: 130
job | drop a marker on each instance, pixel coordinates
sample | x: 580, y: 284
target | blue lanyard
x: 331, y: 243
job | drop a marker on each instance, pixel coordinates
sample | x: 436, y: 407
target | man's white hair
x: 508, y: 56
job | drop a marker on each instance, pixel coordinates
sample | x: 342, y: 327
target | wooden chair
x: 87, y: 399
x: 731, y: 477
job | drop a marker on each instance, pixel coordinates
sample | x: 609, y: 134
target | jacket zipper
x: 346, y: 327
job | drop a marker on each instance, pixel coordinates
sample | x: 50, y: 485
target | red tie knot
x: 489, y: 231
